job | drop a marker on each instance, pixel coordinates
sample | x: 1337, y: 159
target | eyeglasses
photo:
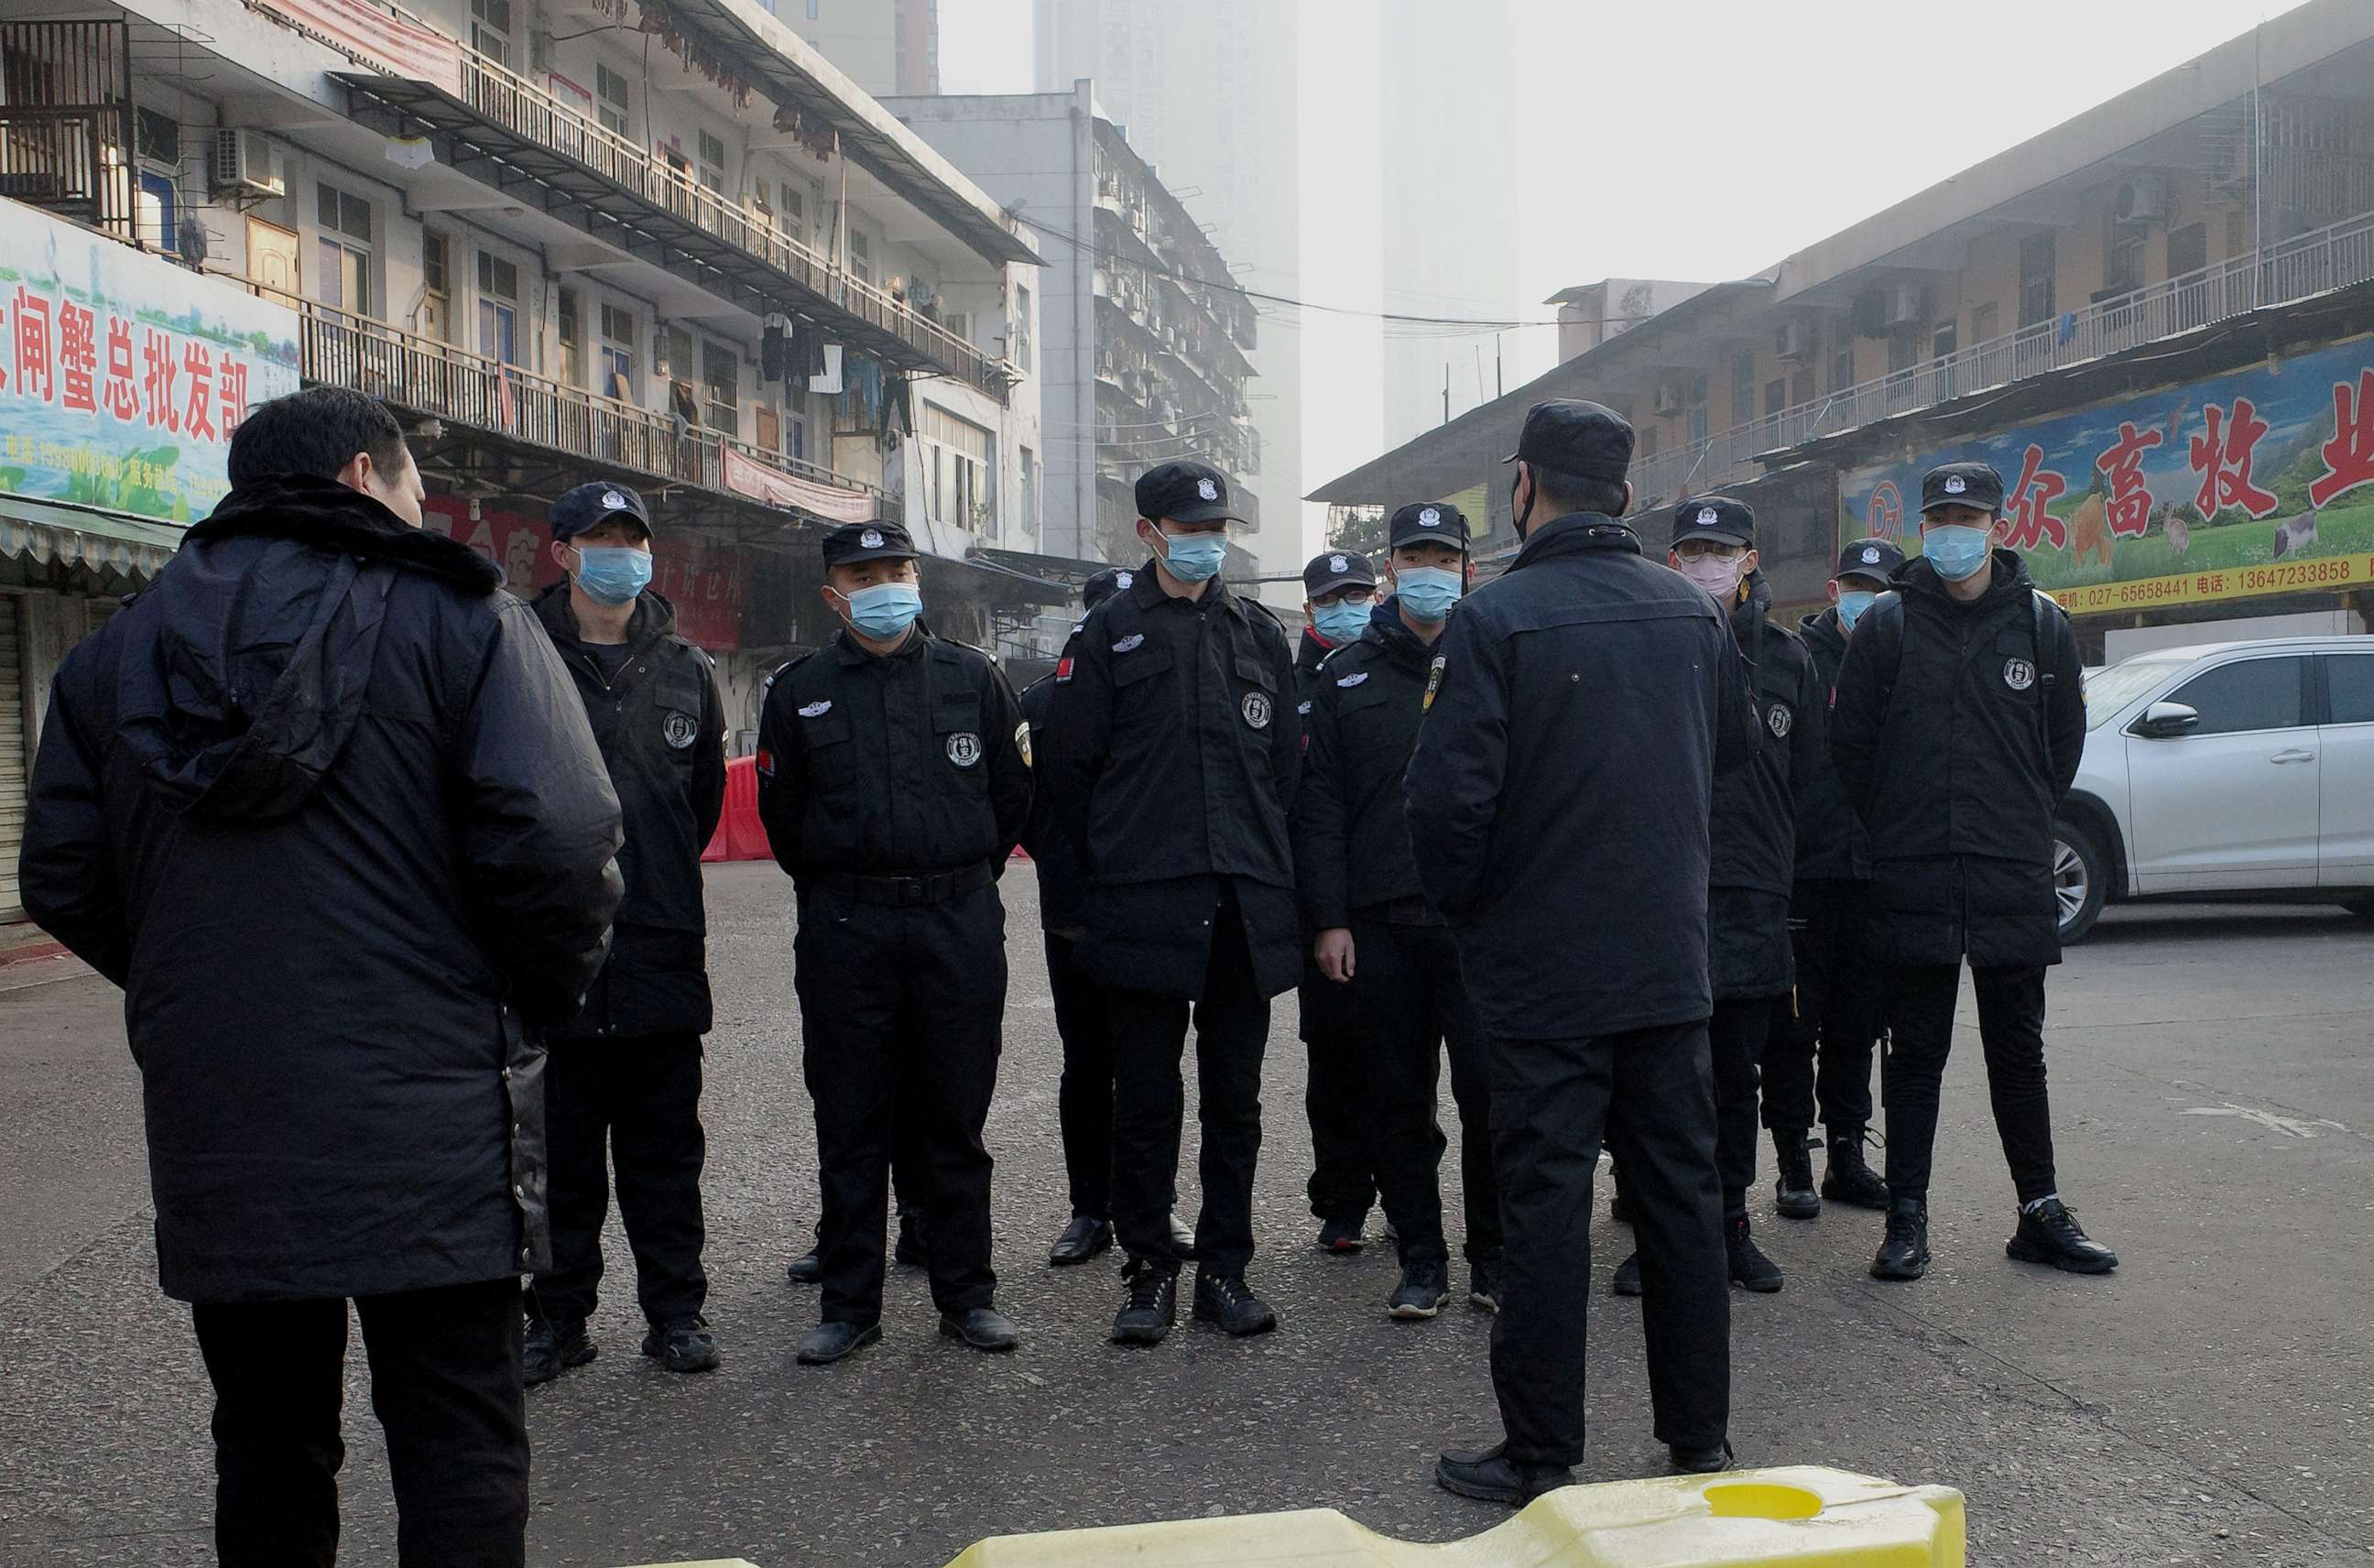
x: 1358, y: 594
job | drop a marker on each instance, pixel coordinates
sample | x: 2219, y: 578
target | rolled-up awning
x: 52, y: 532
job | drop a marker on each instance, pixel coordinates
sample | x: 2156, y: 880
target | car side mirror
x: 2166, y: 721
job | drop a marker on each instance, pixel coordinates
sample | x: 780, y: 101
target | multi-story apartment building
x: 2151, y: 318
x: 886, y: 46
x: 657, y: 241
x: 1143, y: 341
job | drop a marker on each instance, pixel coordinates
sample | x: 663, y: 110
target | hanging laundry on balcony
x: 829, y: 380
x: 2068, y: 329
x: 863, y: 398
x: 897, y: 410
x: 807, y: 357
x: 774, y: 347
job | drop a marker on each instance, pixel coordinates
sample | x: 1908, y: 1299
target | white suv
x: 2227, y: 768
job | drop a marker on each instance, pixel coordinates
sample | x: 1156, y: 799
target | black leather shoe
x: 1794, y: 1194
x: 1904, y: 1254
x: 807, y: 1268
x: 2051, y: 1235
x: 1490, y: 1475
x: 1628, y: 1276
x: 552, y: 1348
x: 1228, y: 1301
x: 982, y: 1328
x: 1484, y: 1283
x: 1750, y: 1269
x: 1153, y: 1304
x: 1082, y: 1239
x: 1341, y: 1236
x: 831, y: 1343
x: 1183, y: 1236
x: 1700, y: 1461
x: 1848, y: 1179
x: 682, y: 1344
x: 911, y: 1253
x: 1425, y: 1285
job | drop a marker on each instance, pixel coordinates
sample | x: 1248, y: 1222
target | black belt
x: 934, y: 887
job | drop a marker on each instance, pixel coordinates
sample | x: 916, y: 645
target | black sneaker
x: 550, y: 1349
x: 1750, y: 1269
x: 1153, y: 1304
x: 2051, y: 1235
x: 1848, y: 1179
x: 1342, y: 1237
x: 1484, y: 1283
x: 682, y: 1344
x: 1628, y: 1276
x: 1905, y: 1252
x: 1425, y: 1285
x: 911, y: 1253
x: 1794, y: 1194
x: 1226, y: 1300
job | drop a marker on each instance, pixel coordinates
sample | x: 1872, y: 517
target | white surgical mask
x: 1717, y: 574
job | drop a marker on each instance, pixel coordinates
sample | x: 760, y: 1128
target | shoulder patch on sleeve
x: 1433, y: 680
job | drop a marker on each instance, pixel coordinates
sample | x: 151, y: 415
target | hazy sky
x: 1699, y: 139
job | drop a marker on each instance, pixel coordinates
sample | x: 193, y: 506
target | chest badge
x: 2018, y: 674
x: 1354, y: 679
x: 1256, y: 708
x: 681, y: 730
x: 817, y: 709
x: 964, y: 750
x: 1780, y: 721
x: 1130, y: 644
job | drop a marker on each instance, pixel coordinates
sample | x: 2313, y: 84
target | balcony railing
x: 433, y: 378
x: 2328, y: 258
x: 529, y: 112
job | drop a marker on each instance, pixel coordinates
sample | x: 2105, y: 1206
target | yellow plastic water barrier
x: 1801, y: 1515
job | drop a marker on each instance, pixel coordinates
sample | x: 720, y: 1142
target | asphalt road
x: 2213, y: 1095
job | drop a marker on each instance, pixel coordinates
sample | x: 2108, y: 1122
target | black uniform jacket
x: 1062, y: 884
x: 1832, y: 843
x: 1753, y: 827
x: 1957, y: 730
x: 908, y: 764
x: 323, y: 803
x: 1351, y: 836
x: 1173, y: 749
x: 661, y: 729
x: 1580, y: 706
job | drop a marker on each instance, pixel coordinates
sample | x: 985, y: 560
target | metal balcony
x: 516, y: 136
x: 66, y: 120
x: 2328, y: 258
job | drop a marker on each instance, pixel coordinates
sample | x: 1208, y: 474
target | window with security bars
x: 611, y: 103
x: 344, y: 248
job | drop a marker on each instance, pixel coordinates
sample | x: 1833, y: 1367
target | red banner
x: 705, y: 583
x: 746, y: 475
x: 378, y: 37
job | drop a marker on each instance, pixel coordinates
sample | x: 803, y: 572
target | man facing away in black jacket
x: 625, y: 1076
x: 323, y: 803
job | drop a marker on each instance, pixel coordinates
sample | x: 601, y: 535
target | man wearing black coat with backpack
x: 321, y: 802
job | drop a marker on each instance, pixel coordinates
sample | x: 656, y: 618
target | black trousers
x: 445, y: 1386
x: 2011, y: 1031
x: 632, y: 1106
x: 1550, y: 1104
x: 1336, y: 1093
x: 1834, y: 1011
x: 1149, y: 1034
x: 1083, y: 1100
x: 1735, y: 1037
x: 901, y: 1009
x: 1412, y: 1008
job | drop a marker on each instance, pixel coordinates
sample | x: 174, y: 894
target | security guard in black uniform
x: 1083, y: 1018
x: 1835, y: 1008
x: 1957, y: 728
x: 1376, y: 935
x: 1753, y: 841
x: 1339, y: 589
x: 1173, y: 747
x: 624, y: 1077
x: 1579, y: 709
x: 894, y: 780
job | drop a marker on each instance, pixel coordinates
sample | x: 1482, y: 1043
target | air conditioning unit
x: 2142, y: 201
x: 1669, y: 400
x: 1794, y: 341
x: 242, y: 165
x: 1907, y: 305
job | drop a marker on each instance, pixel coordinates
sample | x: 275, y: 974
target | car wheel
x: 2080, y: 880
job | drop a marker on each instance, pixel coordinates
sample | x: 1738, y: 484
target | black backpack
x: 1888, y: 610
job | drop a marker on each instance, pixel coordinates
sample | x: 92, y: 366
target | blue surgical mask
x: 885, y: 609
x: 1428, y: 592
x: 1193, y: 558
x: 1851, y: 604
x: 613, y: 575
x: 1957, y: 549
x: 1342, y: 621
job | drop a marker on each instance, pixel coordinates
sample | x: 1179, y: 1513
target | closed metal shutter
x: 14, y: 763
